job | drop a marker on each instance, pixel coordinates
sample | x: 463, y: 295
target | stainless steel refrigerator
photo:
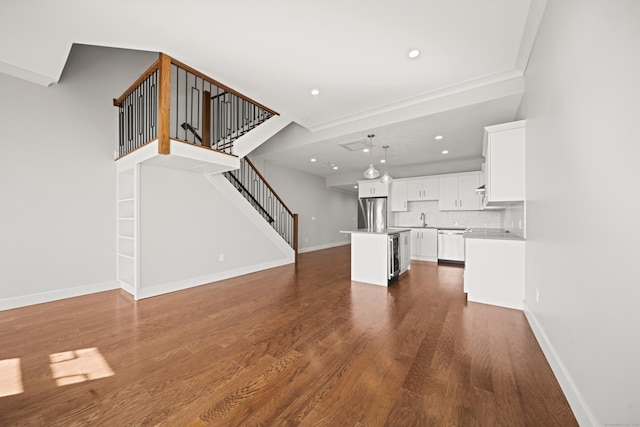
x: 372, y: 213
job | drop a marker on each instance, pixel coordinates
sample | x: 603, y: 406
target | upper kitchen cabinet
x: 398, y: 196
x: 504, y: 152
x: 373, y: 188
x: 458, y: 192
x: 422, y: 189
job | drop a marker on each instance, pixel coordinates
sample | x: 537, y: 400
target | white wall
x: 582, y: 105
x: 57, y: 179
x: 322, y: 213
x: 186, y: 223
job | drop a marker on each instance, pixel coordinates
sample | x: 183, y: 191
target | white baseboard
x: 58, y: 294
x: 321, y: 247
x: 127, y: 288
x: 179, y: 285
x: 507, y: 303
x: 424, y: 258
x: 579, y: 406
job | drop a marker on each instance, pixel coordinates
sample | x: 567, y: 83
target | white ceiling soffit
x: 31, y: 76
x: 413, y: 147
x: 354, y: 53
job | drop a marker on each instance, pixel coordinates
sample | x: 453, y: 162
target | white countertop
x: 390, y: 230
x: 474, y: 233
x: 439, y: 227
x: 491, y: 233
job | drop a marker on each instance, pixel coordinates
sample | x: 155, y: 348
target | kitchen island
x: 372, y: 256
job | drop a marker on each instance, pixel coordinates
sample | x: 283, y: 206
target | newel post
x: 206, y: 119
x: 295, y: 237
x: 164, y: 104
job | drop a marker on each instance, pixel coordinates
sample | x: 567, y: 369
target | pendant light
x: 371, y: 173
x: 386, y: 178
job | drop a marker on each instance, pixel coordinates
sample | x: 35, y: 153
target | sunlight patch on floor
x: 10, y: 377
x: 77, y: 366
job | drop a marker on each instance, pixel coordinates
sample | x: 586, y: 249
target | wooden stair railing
x: 186, y: 126
x: 169, y: 93
x: 263, y: 197
x: 247, y: 194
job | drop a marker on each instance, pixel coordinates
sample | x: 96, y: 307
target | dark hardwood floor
x: 280, y: 347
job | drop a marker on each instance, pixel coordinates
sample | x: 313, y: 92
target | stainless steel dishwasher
x: 451, y: 245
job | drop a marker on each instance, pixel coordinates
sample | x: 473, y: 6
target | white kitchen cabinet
x: 494, y: 272
x: 424, y: 244
x: 504, y: 152
x: 422, y: 189
x: 470, y: 199
x: 405, y: 251
x: 373, y: 188
x: 448, y: 200
x: 458, y: 192
x: 398, y: 196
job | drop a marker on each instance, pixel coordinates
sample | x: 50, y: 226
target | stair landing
x: 183, y: 156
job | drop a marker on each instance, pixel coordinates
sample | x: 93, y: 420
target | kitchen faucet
x: 423, y: 217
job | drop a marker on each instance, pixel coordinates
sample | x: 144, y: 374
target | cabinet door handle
x: 461, y: 203
x: 456, y: 203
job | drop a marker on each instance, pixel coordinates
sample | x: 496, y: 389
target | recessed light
x: 438, y: 137
x: 313, y: 160
x: 315, y: 91
x: 355, y: 186
x: 414, y: 53
x: 382, y: 160
x: 335, y: 168
x: 445, y: 152
x: 366, y: 150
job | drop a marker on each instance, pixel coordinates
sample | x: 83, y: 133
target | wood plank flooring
x: 284, y: 347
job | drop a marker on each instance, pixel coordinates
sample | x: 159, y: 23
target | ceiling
x: 355, y: 53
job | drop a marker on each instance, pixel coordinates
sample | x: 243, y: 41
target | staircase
x: 252, y: 185
x: 176, y: 117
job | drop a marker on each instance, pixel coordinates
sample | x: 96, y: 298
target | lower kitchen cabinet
x: 494, y: 272
x: 405, y: 251
x: 424, y: 244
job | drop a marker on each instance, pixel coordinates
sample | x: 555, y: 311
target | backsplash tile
x: 514, y: 219
x: 478, y: 219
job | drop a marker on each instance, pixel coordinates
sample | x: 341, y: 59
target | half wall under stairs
x: 179, y: 228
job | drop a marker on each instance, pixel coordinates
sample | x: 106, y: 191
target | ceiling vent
x: 355, y: 145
